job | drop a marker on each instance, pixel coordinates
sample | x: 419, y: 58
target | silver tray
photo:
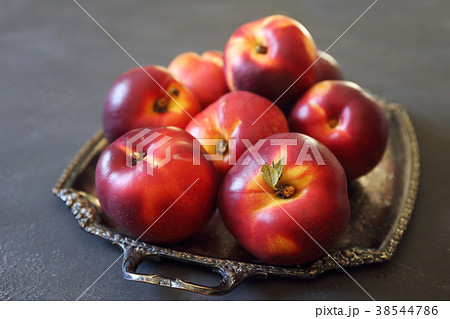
x: 381, y: 206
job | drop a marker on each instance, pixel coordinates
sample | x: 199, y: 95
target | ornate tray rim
x: 85, y: 209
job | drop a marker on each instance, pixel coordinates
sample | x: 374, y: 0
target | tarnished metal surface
x: 381, y: 206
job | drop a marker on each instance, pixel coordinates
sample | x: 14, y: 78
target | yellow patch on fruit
x: 280, y: 21
x: 318, y: 109
x: 224, y: 132
x: 322, y: 87
x: 179, y: 106
x: 214, y: 57
x: 281, y: 245
x: 210, y: 149
x: 233, y: 127
x: 297, y: 176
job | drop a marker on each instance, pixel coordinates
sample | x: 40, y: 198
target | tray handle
x: 230, y: 277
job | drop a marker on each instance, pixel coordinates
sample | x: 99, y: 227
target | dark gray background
x: 56, y: 66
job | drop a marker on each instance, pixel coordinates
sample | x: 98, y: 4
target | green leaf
x: 271, y: 174
x: 279, y: 167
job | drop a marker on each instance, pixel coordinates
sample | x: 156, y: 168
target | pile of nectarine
x: 210, y: 131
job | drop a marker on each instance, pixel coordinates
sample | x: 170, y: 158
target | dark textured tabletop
x: 56, y: 66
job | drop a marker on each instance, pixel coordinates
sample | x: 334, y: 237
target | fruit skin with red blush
x: 327, y: 68
x: 138, y: 195
x: 272, y: 222
x: 268, y: 55
x: 348, y: 120
x: 147, y: 97
x: 202, y: 74
x: 235, y: 116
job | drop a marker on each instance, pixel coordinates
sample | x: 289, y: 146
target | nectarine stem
x: 174, y: 91
x: 160, y: 105
x: 222, y: 147
x: 285, y: 191
x: 136, y: 157
x: 262, y: 49
x: 333, y: 122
